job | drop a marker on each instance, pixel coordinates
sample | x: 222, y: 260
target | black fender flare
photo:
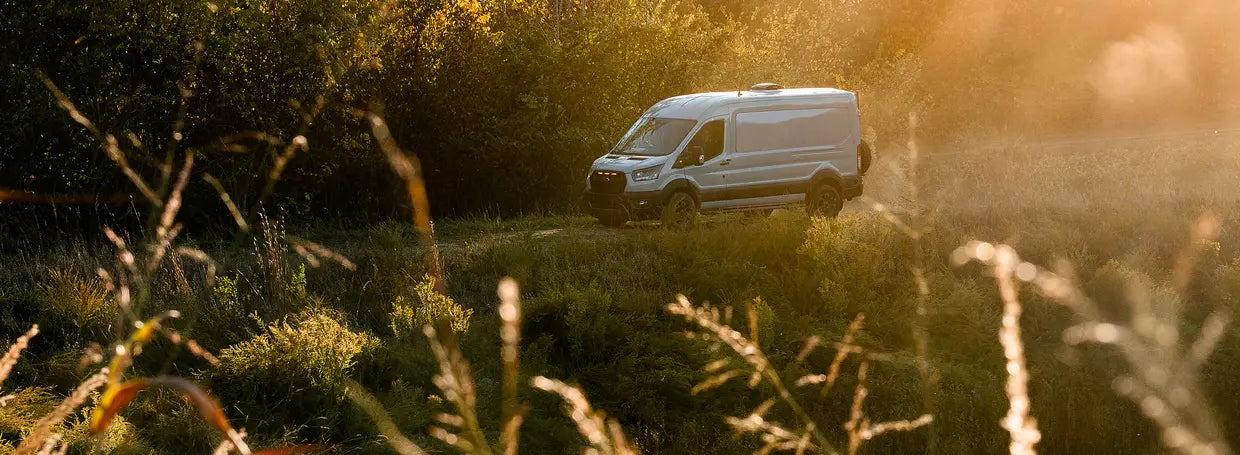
x: 680, y: 184
x: 829, y: 176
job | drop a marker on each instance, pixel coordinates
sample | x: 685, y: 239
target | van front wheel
x: 679, y: 212
x: 824, y: 200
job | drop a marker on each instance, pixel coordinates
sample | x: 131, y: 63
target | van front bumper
x: 634, y: 206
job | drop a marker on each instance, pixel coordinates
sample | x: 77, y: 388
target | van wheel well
x: 827, y: 178
x: 686, y: 188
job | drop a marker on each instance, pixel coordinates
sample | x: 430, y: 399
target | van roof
x: 699, y: 105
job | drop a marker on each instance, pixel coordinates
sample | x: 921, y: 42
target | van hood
x: 626, y: 163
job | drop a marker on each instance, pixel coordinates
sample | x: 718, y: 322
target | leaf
x: 116, y: 398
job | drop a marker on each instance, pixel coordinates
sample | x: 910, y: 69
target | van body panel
x: 776, y: 144
x: 753, y: 203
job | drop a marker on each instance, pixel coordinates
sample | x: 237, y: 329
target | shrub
x: 408, y: 322
x: 391, y: 236
x: 295, y: 287
x: 26, y: 406
x: 226, y: 319
x: 294, y: 372
x: 74, y: 304
x: 23, y: 408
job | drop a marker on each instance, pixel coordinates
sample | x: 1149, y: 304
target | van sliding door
x: 778, y: 150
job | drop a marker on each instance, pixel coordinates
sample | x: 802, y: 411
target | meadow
x: 290, y: 335
x: 272, y: 227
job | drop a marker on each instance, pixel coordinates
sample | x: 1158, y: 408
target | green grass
x: 593, y: 302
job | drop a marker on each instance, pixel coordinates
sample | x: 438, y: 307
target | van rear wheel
x: 679, y: 212
x: 824, y: 200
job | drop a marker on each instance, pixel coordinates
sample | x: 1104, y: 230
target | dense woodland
x: 507, y: 102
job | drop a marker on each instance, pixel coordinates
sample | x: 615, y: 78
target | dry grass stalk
x: 773, y: 435
x: 859, y: 427
x: 833, y: 372
x: 457, y: 385
x: 510, y: 333
x: 605, y: 436
x: 43, y: 428
x: 382, y: 419
x: 1018, y: 421
x: 192, y: 345
x: 721, y: 335
x: 899, y: 425
x: 1204, y: 231
x: 856, y: 413
x: 110, y: 145
x: 297, y: 144
x: 410, y: 170
x: 227, y: 446
x: 172, y: 205
x: 200, y: 256
x: 50, y: 444
x: 15, y: 352
x: 1007, y: 266
x: 751, y: 313
x: 1162, y: 382
x: 228, y: 202
x: 918, y: 217
x: 311, y: 252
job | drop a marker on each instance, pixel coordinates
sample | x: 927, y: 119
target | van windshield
x: 653, y: 136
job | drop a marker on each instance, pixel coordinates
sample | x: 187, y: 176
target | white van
x: 751, y: 150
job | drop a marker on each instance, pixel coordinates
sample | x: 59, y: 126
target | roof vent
x: 767, y: 86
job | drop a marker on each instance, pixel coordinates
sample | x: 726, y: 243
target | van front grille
x: 607, y: 182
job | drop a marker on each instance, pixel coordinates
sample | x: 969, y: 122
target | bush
x: 226, y: 319
x: 72, y: 304
x: 408, y: 321
x: 293, y: 374
x: 23, y: 408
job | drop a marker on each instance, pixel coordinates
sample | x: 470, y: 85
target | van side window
x: 709, y: 138
x: 791, y: 129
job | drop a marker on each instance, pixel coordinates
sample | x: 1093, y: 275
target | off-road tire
x: 824, y: 200
x: 679, y: 211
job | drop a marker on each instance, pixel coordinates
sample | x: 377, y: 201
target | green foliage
x: 520, y: 96
x: 293, y: 374
x: 226, y: 318
x: 313, y: 347
x: 407, y: 321
x: 71, y: 303
x: 23, y: 408
x: 295, y: 287
x: 225, y: 294
x: 392, y: 235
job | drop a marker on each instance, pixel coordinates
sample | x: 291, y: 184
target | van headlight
x: 649, y: 173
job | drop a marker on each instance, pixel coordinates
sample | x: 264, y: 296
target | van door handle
x: 725, y: 162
